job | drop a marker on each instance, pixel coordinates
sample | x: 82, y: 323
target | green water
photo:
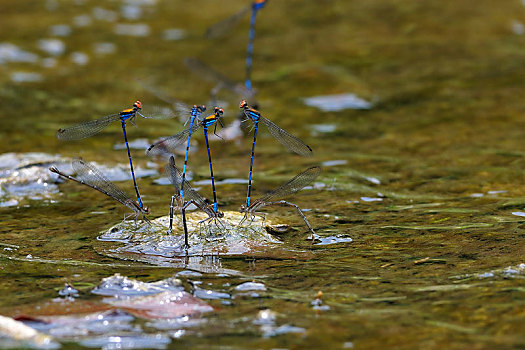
x: 446, y: 79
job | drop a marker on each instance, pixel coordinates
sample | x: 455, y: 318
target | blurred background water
x: 414, y: 110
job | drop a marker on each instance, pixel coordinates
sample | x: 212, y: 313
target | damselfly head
x: 145, y: 210
x: 242, y: 209
x: 220, y: 214
x: 200, y: 108
x: 218, y: 111
x: 137, y: 105
x: 243, y: 104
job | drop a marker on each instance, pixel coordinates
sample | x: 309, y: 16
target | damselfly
x: 88, y: 175
x: 272, y: 198
x: 93, y: 127
x: 192, y: 197
x: 168, y: 145
x: 289, y: 141
x: 222, y: 27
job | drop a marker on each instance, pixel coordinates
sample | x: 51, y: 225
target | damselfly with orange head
x: 93, y: 127
x: 168, y: 145
x: 289, y: 141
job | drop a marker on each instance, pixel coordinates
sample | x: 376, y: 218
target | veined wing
x: 294, y: 185
x: 90, y: 176
x: 86, y: 129
x: 189, y: 192
x: 289, y: 141
x: 170, y: 144
x: 224, y: 26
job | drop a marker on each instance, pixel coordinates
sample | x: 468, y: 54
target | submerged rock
x: 224, y: 238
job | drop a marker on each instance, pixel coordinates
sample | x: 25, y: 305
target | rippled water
x: 419, y: 209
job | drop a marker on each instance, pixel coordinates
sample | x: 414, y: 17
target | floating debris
x: 335, y: 103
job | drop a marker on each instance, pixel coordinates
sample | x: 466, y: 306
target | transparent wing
x: 289, y: 141
x: 170, y: 144
x: 227, y: 24
x: 92, y: 177
x: 189, y: 192
x: 204, y: 71
x: 294, y: 185
x: 86, y: 129
x: 179, y: 109
x: 156, y: 112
